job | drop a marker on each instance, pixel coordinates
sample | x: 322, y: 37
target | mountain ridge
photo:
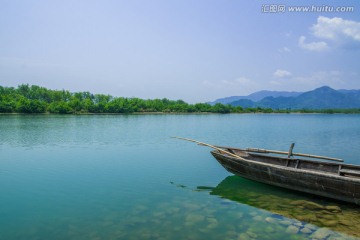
x: 256, y: 96
x: 323, y: 97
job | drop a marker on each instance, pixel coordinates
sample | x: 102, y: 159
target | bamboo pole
x: 259, y: 150
x: 211, y: 146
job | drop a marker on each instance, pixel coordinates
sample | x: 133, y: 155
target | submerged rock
x: 269, y: 229
x: 239, y: 215
x: 334, y: 209
x: 257, y: 218
x: 308, y: 205
x: 292, y: 229
x: 159, y: 214
x: 212, y: 220
x: 212, y: 225
x: 328, y: 223
x: 321, y: 233
x: 310, y: 226
x: 286, y: 222
x: 346, y: 222
x: 297, y: 223
x: 231, y: 234
x: 306, y: 230
x: 307, y: 217
x: 243, y: 236
x: 341, y: 237
x: 271, y: 220
x: 194, y: 218
x: 251, y: 234
x: 253, y: 214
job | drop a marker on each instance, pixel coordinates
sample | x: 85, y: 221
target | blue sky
x: 195, y: 50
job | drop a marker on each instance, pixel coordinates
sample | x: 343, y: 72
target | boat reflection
x: 337, y: 216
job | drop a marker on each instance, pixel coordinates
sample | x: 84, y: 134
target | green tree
x: 221, y: 108
x: 60, y: 107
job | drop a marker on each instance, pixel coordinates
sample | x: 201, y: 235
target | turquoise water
x: 123, y: 177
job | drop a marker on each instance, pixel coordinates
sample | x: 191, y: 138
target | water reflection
x: 324, y: 213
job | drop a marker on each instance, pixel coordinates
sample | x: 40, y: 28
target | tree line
x: 36, y: 99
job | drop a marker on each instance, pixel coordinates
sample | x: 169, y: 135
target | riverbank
x: 27, y: 99
x: 177, y: 113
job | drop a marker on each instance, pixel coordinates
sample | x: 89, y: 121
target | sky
x: 195, y: 50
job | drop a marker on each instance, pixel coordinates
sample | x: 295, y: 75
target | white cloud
x: 312, y: 46
x: 285, y: 50
x: 336, y: 29
x: 282, y: 74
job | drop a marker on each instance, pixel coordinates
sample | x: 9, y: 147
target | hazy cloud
x: 284, y: 50
x: 312, y: 46
x: 275, y: 83
x: 336, y: 29
x: 281, y: 73
x: 237, y: 81
x: 333, y: 78
x: 241, y: 81
x: 237, y: 86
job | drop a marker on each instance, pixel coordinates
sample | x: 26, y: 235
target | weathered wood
x: 260, y: 150
x: 313, y: 181
x: 319, y: 157
x: 291, y: 150
x: 340, y: 166
x: 327, y: 179
x: 351, y: 172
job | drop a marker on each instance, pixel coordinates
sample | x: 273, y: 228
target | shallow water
x: 123, y: 177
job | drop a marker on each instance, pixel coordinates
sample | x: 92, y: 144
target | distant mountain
x: 353, y: 93
x: 320, y: 98
x: 256, y: 96
x: 245, y: 103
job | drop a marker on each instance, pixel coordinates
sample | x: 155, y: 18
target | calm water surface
x: 123, y: 177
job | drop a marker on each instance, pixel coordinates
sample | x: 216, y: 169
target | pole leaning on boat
x: 259, y: 150
x: 211, y: 146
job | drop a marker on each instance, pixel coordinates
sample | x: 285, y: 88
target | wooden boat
x: 323, y: 178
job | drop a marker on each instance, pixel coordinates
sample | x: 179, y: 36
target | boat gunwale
x: 305, y: 160
x: 298, y: 170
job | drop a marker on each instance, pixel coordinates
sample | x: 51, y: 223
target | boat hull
x: 317, y: 183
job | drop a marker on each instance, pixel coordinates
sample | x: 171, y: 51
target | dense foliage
x: 35, y: 99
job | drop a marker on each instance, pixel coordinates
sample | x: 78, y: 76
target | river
x: 124, y: 177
